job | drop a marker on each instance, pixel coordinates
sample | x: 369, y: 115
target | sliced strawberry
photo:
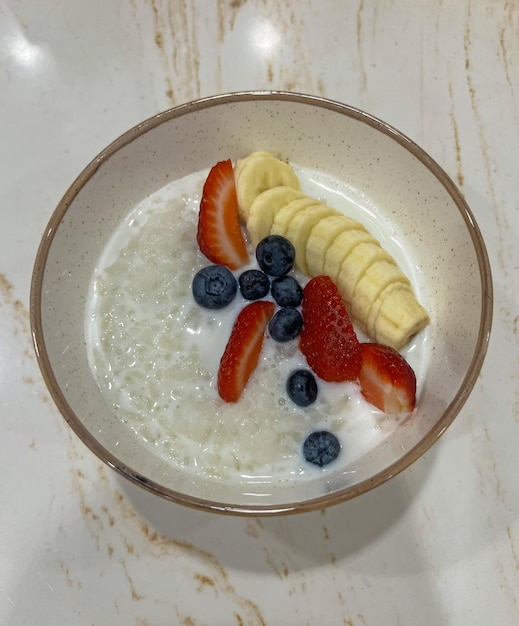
x: 328, y: 339
x: 219, y: 234
x: 386, y: 379
x: 242, y: 351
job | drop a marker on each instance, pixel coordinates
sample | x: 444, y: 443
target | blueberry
x: 254, y: 284
x: 286, y: 291
x: 286, y: 324
x: 214, y: 287
x: 302, y: 387
x: 275, y: 255
x: 321, y: 448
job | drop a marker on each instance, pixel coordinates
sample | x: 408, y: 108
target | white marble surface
x: 437, y: 545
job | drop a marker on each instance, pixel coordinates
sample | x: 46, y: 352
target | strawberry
x: 386, y: 379
x: 328, y: 339
x: 243, y: 348
x: 219, y: 234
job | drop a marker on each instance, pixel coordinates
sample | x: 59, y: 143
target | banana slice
x: 264, y: 208
x: 400, y: 317
x: 360, y: 260
x: 376, y: 277
x: 299, y: 229
x: 238, y: 167
x: 322, y: 236
x: 369, y: 323
x: 285, y: 214
x: 339, y: 249
x: 258, y: 172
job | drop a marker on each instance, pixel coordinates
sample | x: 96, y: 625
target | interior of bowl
x: 400, y: 180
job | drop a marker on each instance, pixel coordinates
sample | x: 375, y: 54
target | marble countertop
x: 438, y: 544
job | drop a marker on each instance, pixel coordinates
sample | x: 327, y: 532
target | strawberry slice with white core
x: 242, y: 352
x: 386, y: 379
x: 219, y: 234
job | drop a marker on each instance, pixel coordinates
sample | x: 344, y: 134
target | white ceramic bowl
x: 392, y: 173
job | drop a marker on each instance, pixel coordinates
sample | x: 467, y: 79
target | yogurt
x: 155, y: 353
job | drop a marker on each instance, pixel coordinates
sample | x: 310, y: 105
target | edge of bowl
x: 294, y: 507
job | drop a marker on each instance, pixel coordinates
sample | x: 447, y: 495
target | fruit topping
x: 275, y: 255
x: 358, y: 278
x: 243, y: 349
x: 286, y: 324
x: 286, y: 291
x: 321, y: 447
x: 265, y: 207
x: 386, y: 379
x: 287, y: 213
x: 302, y: 387
x: 258, y: 172
x: 219, y: 234
x: 322, y: 236
x: 329, y: 243
x: 214, y: 287
x: 300, y: 227
x: 254, y: 284
x: 328, y: 339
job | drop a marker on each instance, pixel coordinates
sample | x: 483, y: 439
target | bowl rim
x: 410, y: 456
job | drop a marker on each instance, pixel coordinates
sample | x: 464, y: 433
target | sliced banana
x: 299, y: 229
x: 339, y: 249
x: 379, y: 295
x: 238, y: 167
x: 360, y: 260
x: 377, y: 276
x: 369, y: 323
x: 264, y: 208
x: 258, y: 172
x: 322, y: 236
x: 400, y: 317
x: 285, y: 214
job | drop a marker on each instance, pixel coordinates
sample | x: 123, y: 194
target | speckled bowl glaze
x: 392, y: 171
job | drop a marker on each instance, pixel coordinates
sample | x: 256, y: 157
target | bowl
x: 409, y: 201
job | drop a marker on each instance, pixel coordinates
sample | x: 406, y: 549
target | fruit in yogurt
x: 254, y: 284
x: 360, y: 279
x: 264, y: 208
x: 219, y: 234
x: 214, y: 287
x: 321, y: 448
x: 243, y: 349
x: 286, y: 291
x: 302, y: 387
x: 299, y: 227
x: 258, y: 172
x: 286, y: 324
x: 386, y: 379
x: 285, y: 214
x: 324, y: 249
x: 275, y: 255
x: 330, y: 243
x: 328, y: 339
